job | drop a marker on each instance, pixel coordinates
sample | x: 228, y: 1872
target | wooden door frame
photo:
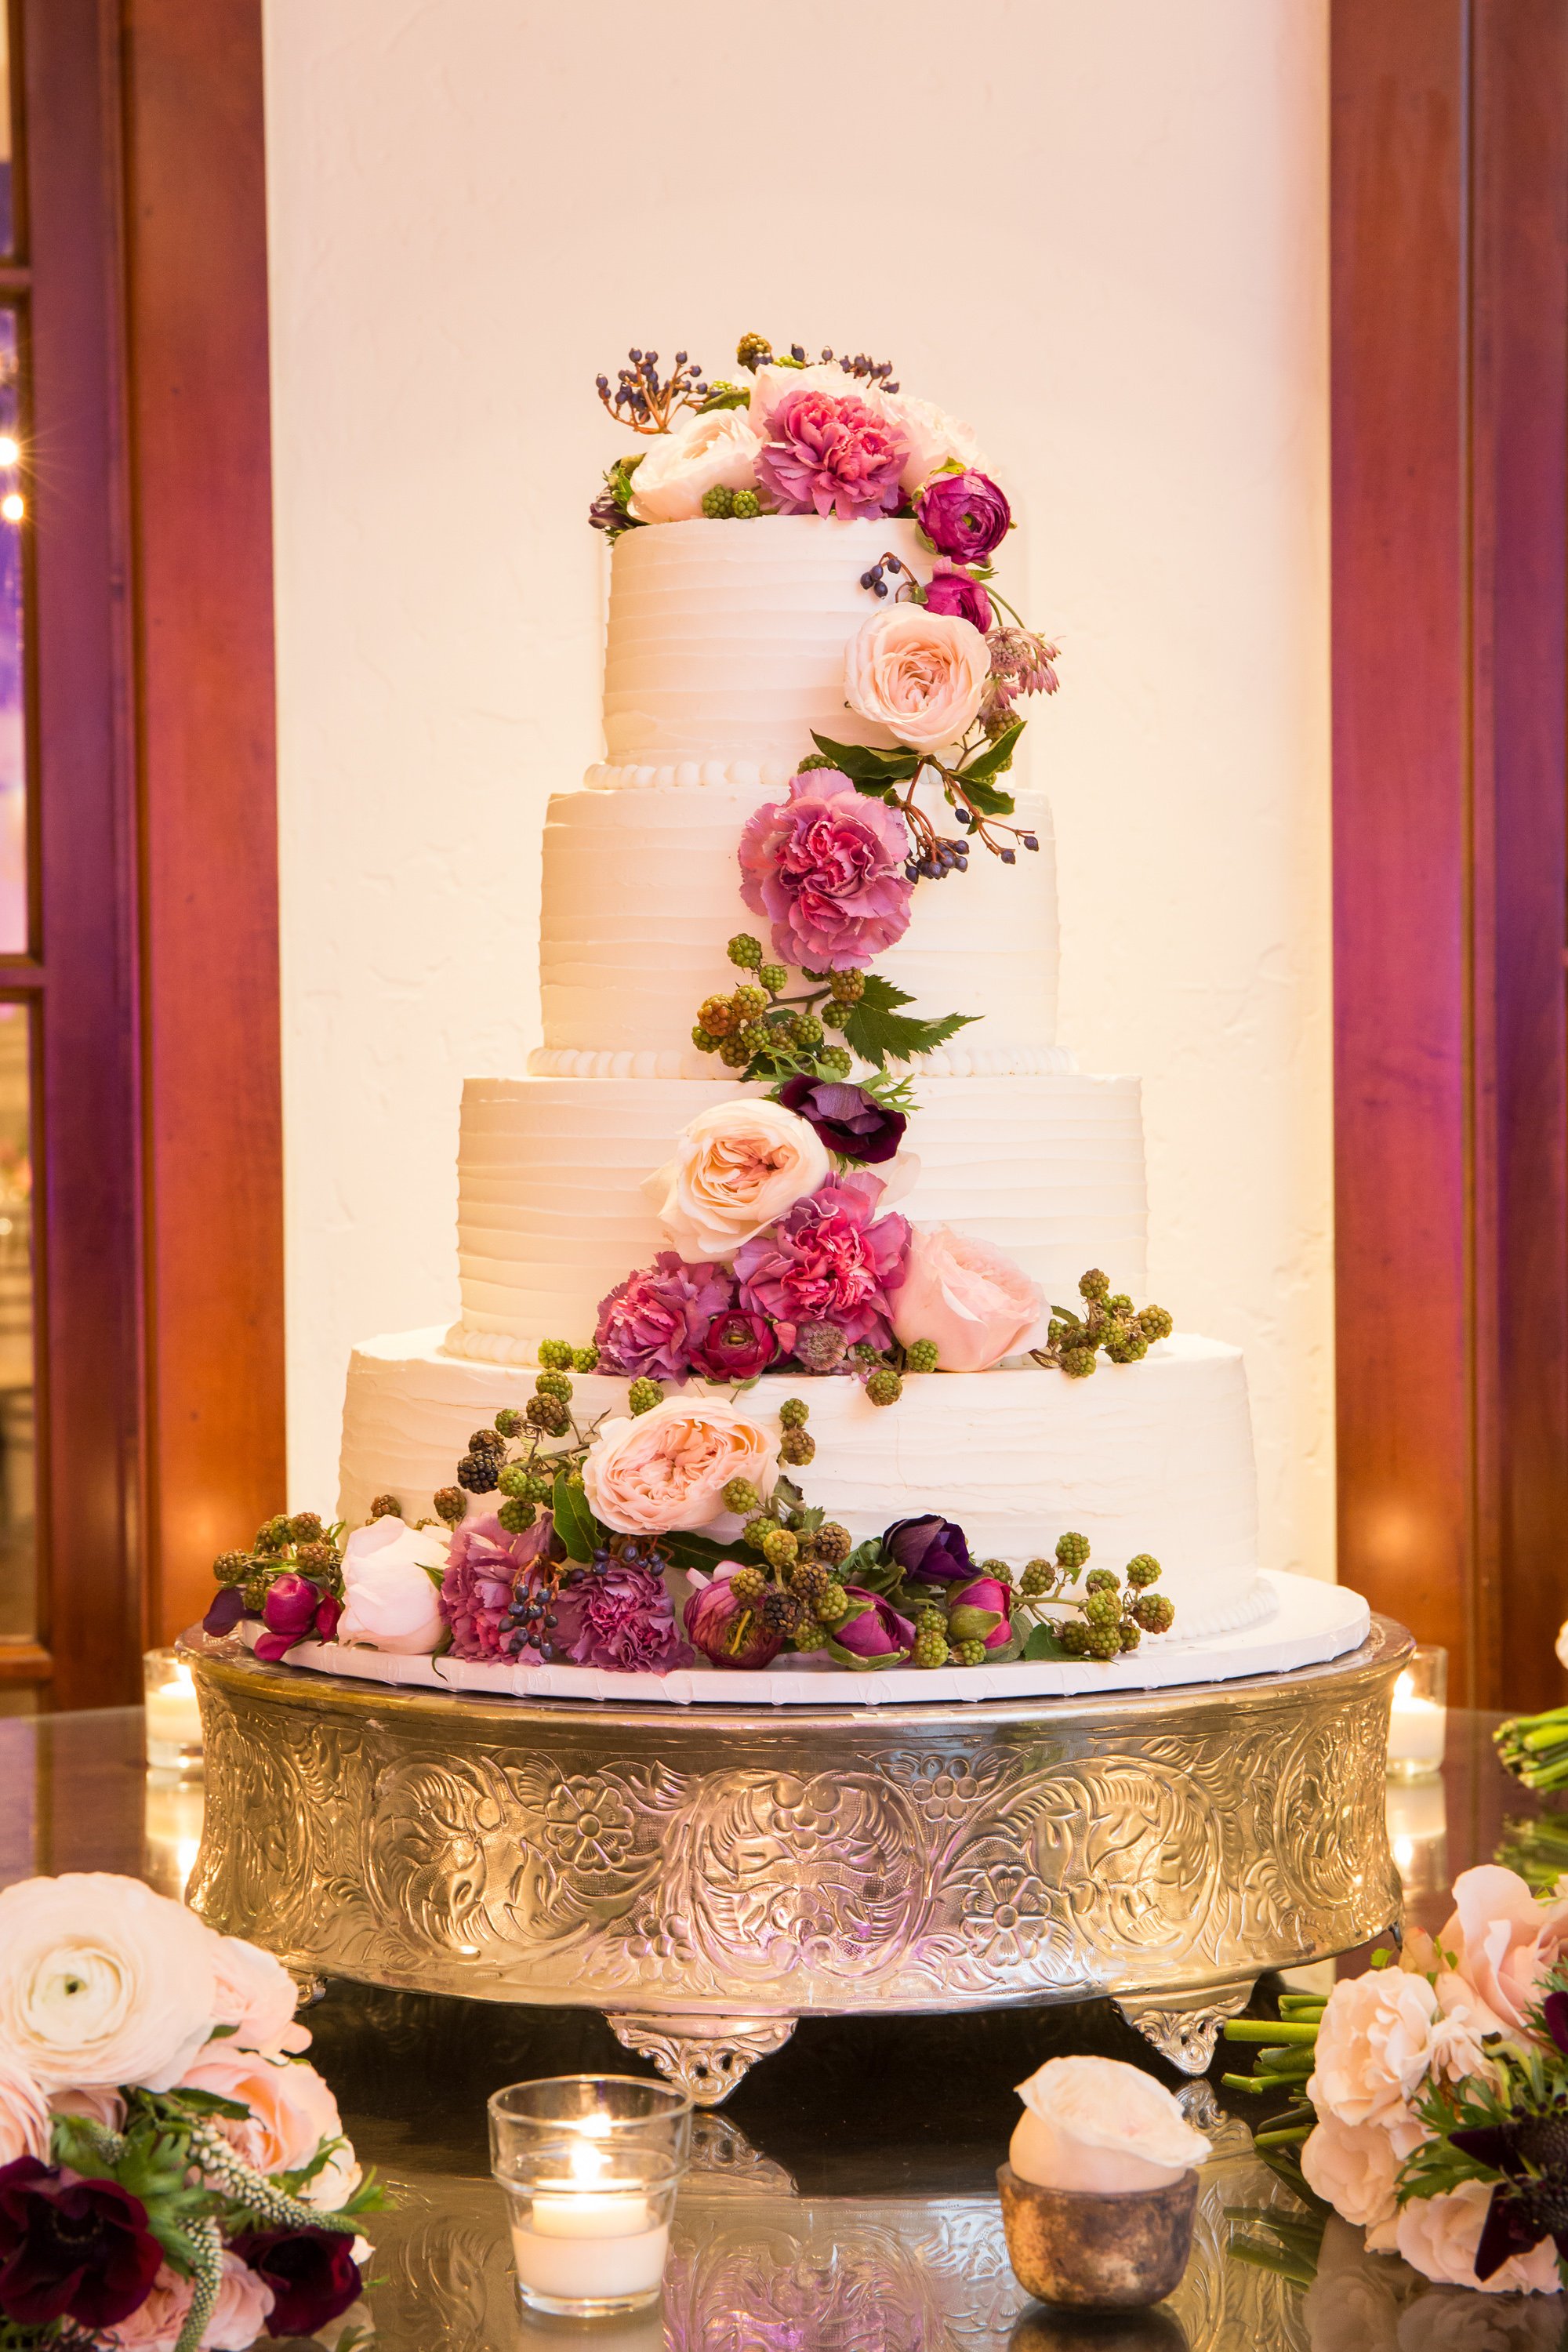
x: 1449, y: 299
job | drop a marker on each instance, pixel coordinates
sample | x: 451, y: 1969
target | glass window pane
x: 18, y: 1564
x: 13, y: 716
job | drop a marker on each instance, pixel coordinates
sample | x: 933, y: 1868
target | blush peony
x: 831, y: 1260
x: 736, y: 1169
x: 392, y: 1585
x: 1375, y: 2047
x: 1353, y: 2167
x: 967, y: 1296
x: 704, y: 452
x: 934, y: 438
x: 292, y: 2112
x: 668, y: 1467
x: 26, y: 2122
x: 1098, y: 2125
x: 921, y: 673
x: 827, y: 867
x: 830, y: 453
x: 102, y: 1982
x: 1505, y: 1941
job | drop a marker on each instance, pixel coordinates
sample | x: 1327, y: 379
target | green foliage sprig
x: 968, y: 784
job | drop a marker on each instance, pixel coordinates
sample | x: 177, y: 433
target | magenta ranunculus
x: 483, y: 1568
x: 830, y: 456
x: 312, y: 2275
x: 964, y: 516
x: 953, y: 590
x: 730, y: 1632
x: 877, y: 1635
x: 827, y: 867
x: 293, y: 1610
x: 981, y: 1610
x: 618, y: 1615
x: 831, y: 1260
x: 329, y: 1609
x: 652, y: 1324
x: 850, y: 1121
x: 736, y: 1346
x: 71, y: 2248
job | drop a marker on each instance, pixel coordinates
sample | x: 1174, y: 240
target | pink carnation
x: 483, y: 1569
x: 831, y: 456
x: 831, y: 1260
x: 827, y: 867
x: 620, y: 1616
x: 651, y: 1325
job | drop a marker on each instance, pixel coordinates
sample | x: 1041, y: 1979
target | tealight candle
x: 174, y: 1713
x: 1418, y: 1718
x: 590, y: 2165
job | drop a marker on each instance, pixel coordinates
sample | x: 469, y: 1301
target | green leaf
x: 575, y: 1522
x: 880, y: 1037
x: 208, y: 2102
x: 863, y: 762
x: 684, y: 1550
x: 788, y: 1493
x: 736, y: 398
x: 1043, y: 1644
x: 988, y: 800
x: 968, y: 1624
x: 867, y: 1665
x: 868, y: 1566
x: 994, y: 759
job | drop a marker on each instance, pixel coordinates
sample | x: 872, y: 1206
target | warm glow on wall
x: 10, y: 450
x: 12, y: 507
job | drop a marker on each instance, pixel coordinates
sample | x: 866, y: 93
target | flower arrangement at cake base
x: 173, y: 2173
x: 1433, y: 2094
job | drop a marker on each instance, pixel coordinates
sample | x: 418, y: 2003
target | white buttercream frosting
x: 551, y: 1211
x: 1153, y: 1457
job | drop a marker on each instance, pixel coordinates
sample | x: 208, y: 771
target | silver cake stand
x: 707, y: 1876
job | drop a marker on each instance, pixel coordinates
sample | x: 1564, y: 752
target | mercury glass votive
x: 173, y: 1715
x: 589, y: 2164
x: 1418, y: 1717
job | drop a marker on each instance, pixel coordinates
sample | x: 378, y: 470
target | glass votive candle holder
x: 589, y: 2164
x: 173, y: 1715
x: 1418, y: 1717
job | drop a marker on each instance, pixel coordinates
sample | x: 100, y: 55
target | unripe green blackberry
x: 928, y: 1615
x: 810, y: 1634
x: 838, y: 1016
x: 1143, y: 1571
x: 541, y: 1485
x: 797, y: 1448
x: 231, y: 1567
x: 516, y: 1514
x: 305, y: 1527
x: 922, y: 1355
x: 478, y: 1472
x: 1094, y: 1285
x: 643, y: 1395
x: 741, y: 1497
x: 847, y: 987
x: 779, y: 1546
x: 555, y: 1385
x: 833, y: 1605
x: 773, y: 977
x: 255, y: 1593
x: 1072, y: 1551
x: 514, y: 1479
x: 702, y: 1041
x: 584, y: 1360
x: 509, y: 1420
x: 1127, y: 1347
x: 1078, y: 1362
x: 930, y: 1645
x: 1119, y: 1303
x: 968, y: 1653
x: 316, y: 1559
x: 1104, y: 1642
x: 745, y: 951
x: 794, y: 1413
x: 831, y: 1543
x: 756, y: 1039
x: 750, y: 1005
x: 747, y: 1585
x: 718, y: 503
x: 812, y: 760
x: 1055, y: 1331
x: 1128, y: 1634
x: 716, y: 1014
x: 1156, y: 1323
x: 1155, y: 1611
x: 835, y: 1058
x: 549, y: 1413
x: 997, y: 1568
x: 1074, y: 1638
x: 1039, y: 1578
x: 1102, y: 1609
x: 271, y: 1537
x: 807, y: 1032
x: 884, y: 1387
x: 451, y: 1504
x: 756, y: 1528
x: 747, y: 504
x: 1101, y: 1580
x: 555, y: 1355
x: 734, y: 1052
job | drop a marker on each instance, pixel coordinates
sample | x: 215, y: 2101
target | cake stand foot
x: 1185, y: 2027
x: 703, y: 2056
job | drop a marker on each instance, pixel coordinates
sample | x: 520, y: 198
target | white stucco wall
x: 1118, y: 273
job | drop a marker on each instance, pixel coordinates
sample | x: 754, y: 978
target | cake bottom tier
x: 552, y: 1213
x: 1150, y: 1458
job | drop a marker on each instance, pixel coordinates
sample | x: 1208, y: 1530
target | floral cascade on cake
x: 1434, y: 2093
x: 174, y: 2174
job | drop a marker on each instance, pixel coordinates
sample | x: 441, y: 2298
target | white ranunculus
x: 257, y: 1996
x: 737, y: 1169
x: 391, y: 1577
x: 1096, y: 2125
x: 26, y: 2122
x: 1439, y: 2237
x: 102, y: 1982
x: 922, y: 675
x: 705, y: 453
x: 1375, y: 2047
x: 934, y: 438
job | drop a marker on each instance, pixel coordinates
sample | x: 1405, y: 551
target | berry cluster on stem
x: 1110, y: 1320
x: 296, y: 1543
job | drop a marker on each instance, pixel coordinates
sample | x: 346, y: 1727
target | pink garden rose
x: 483, y: 1566
x: 257, y: 1996
x: 1375, y: 2047
x: 291, y: 2113
x: 828, y: 454
x: 703, y: 452
x: 831, y: 1259
x: 1353, y: 2167
x: 26, y: 2122
x: 668, y: 1467
x: 1439, y: 2236
x: 827, y: 867
x: 1505, y: 1941
x: 922, y: 674
x: 1100, y: 2124
x: 652, y: 1324
x: 967, y: 1296
x: 736, y: 1166
x: 239, y: 2316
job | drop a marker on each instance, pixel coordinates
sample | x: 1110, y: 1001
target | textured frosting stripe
x: 1153, y: 1457
x: 726, y: 640
x: 552, y: 1216
x: 954, y: 1060
x: 642, y: 891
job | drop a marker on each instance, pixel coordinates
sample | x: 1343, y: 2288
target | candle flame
x: 1404, y: 1686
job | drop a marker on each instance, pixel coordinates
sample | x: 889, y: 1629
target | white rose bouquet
x: 173, y: 2175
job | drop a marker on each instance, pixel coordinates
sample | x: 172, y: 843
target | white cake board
x: 1309, y: 1623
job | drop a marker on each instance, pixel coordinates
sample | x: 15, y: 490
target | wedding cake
x: 801, y: 1170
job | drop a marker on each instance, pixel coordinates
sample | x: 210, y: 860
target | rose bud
x: 930, y: 1549
x: 876, y: 1635
x: 726, y: 1629
x: 289, y: 1614
x: 328, y: 1611
x: 964, y: 515
x: 953, y: 589
x: 735, y: 1346
x: 850, y: 1122
x: 981, y: 1610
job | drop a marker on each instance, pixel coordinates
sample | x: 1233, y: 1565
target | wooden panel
x: 197, y: 304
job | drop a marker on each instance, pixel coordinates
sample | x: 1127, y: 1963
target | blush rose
x: 668, y: 1467
x: 102, y: 1982
x: 737, y: 1167
x: 967, y: 1296
x: 1095, y: 2124
x: 920, y: 674
x: 391, y: 1585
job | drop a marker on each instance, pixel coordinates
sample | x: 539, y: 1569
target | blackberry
x: 718, y: 502
x: 1128, y: 1634
x: 794, y: 1412
x: 231, y: 1567
x: 734, y: 1052
x: 809, y: 1634
x: 1072, y: 1551
x: 747, y: 504
x: 509, y: 1420
x: 317, y: 1561
x: 515, y: 1480
x: 716, y: 1016
x: 478, y: 1472
x: 753, y: 351
x: 1102, y: 1609
x: 884, y: 1387
x: 835, y: 1058
x: 923, y: 1356
x: 555, y: 1355
x: 741, y: 1497
x: 781, y: 1611
x: 773, y: 977
x: 271, y: 1539
x: 847, y: 987
x: 516, y: 1514
x: 997, y: 1568
x: 451, y: 1504
x: 750, y: 1005
x: 547, y: 1412
x: 833, y: 1604
x: 808, y: 1581
x: 1155, y: 1611
x: 831, y: 1543
x: 642, y: 1396
x: 555, y: 1385
x: 305, y: 1527
x: 1127, y: 1348
x: 1078, y: 1362
x: 1094, y: 1285
x: 584, y: 1360
x: 797, y: 1448
x: 702, y: 1041
x: 1101, y: 1580
x: 930, y: 1646
x: 491, y: 1441
x: 969, y: 1653
x: 1156, y: 1323
x: 759, y: 1525
x: 779, y: 1546
x: 744, y: 950
x: 1104, y: 1642
x: 1074, y: 1638
x: 747, y: 1585
x: 1037, y: 1579
x: 1141, y: 1571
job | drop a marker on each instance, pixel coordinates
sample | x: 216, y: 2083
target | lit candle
x: 580, y: 2240
x: 174, y: 1713
x: 1417, y: 1728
